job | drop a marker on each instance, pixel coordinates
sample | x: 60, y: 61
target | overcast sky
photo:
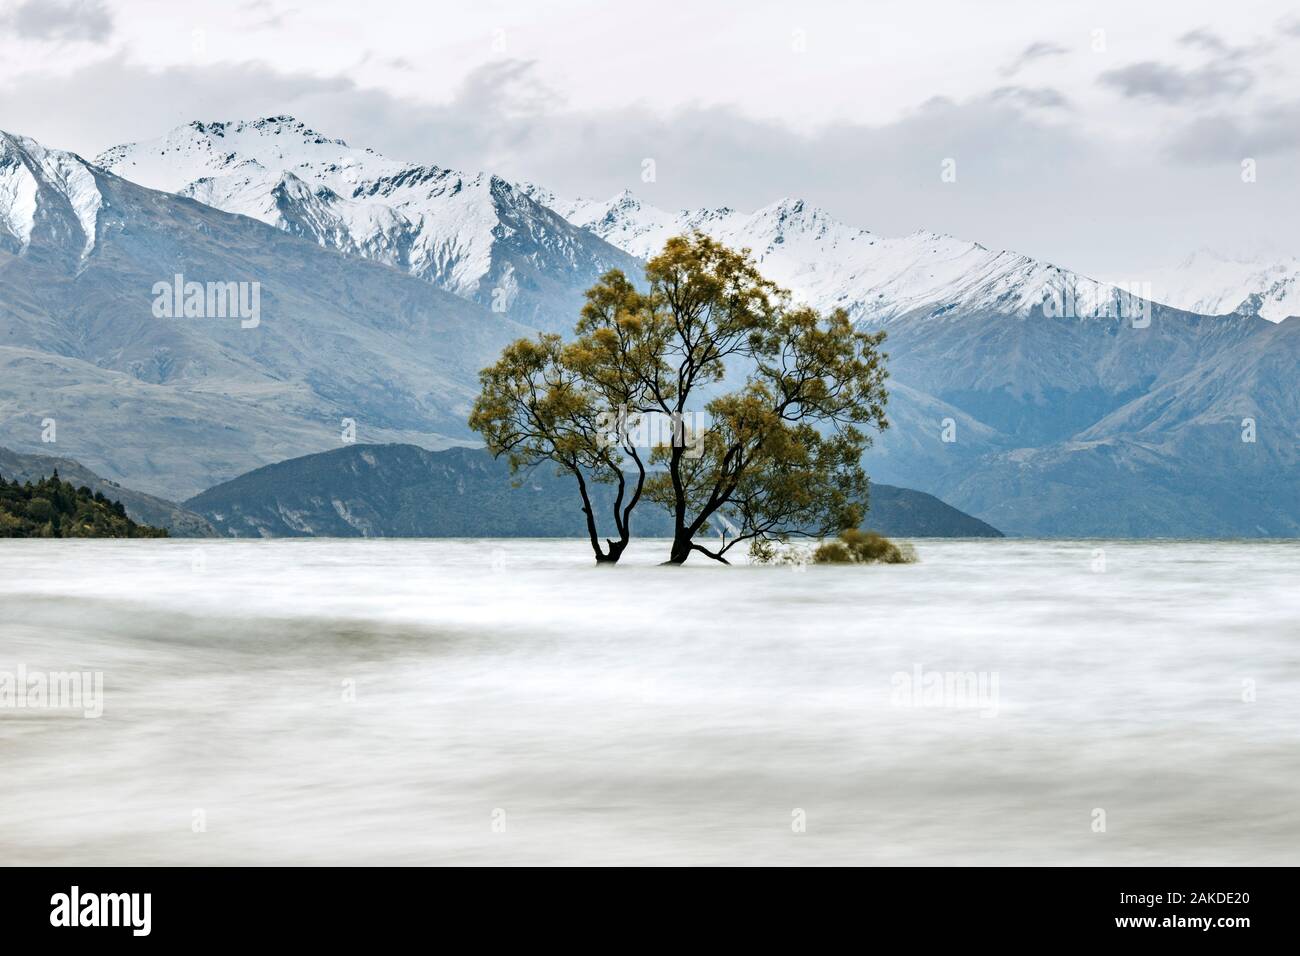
x: 1106, y: 136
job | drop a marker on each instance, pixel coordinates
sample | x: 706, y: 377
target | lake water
x: 423, y: 701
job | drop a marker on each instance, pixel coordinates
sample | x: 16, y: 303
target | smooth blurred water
x: 644, y: 714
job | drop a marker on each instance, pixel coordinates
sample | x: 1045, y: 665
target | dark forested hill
x: 140, y: 507
x: 53, y: 508
x: 406, y: 491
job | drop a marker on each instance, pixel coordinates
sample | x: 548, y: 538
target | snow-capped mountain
x: 476, y: 236
x: 516, y: 246
x: 48, y: 185
x: 1215, y: 284
x: 167, y: 402
x: 829, y: 264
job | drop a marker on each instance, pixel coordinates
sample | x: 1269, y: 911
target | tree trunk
x: 681, y: 549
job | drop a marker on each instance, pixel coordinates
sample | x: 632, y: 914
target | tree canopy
x: 767, y: 404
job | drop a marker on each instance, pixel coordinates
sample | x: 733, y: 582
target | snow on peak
x: 1217, y: 283
x: 474, y: 234
x: 446, y: 226
x: 27, y: 169
x: 830, y: 264
x: 268, y: 126
x: 435, y: 223
x: 17, y: 192
x: 211, y: 149
x: 794, y: 211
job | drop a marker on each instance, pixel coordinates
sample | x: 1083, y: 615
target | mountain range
x: 1038, y: 399
x: 172, y: 405
x: 833, y: 265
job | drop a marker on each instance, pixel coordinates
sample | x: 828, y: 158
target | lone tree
x: 777, y: 455
x: 536, y: 406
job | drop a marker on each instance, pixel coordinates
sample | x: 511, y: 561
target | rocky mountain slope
x: 172, y: 404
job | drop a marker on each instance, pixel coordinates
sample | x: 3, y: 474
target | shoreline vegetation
x: 53, y: 508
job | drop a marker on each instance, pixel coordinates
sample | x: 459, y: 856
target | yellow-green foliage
x: 863, y: 547
x: 779, y: 453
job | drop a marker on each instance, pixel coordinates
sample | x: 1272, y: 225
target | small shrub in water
x: 863, y: 547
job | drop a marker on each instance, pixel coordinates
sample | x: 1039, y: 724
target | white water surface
x: 515, y: 704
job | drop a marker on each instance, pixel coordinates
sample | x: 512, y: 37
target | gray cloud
x: 1231, y: 137
x: 63, y: 20
x: 1222, y: 74
x: 1206, y: 40
x: 269, y: 18
x: 1033, y: 52
x: 1041, y: 97
x: 1171, y: 84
